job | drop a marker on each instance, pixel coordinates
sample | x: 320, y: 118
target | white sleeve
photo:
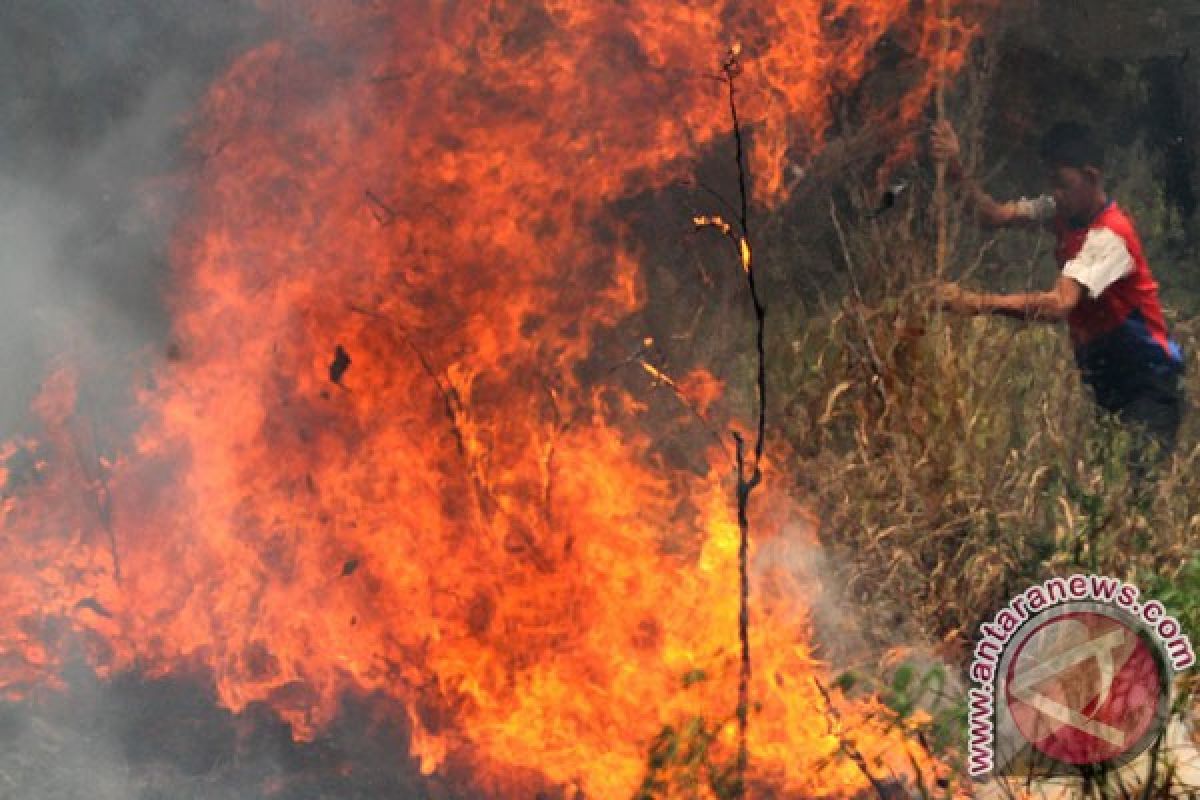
x: 1102, y: 261
x: 1037, y: 209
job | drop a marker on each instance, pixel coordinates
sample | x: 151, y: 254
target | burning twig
x: 560, y: 427
x: 485, y: 501
x: 834, y: 722
x: 748, y: 476
x: 720, y: 198
x: 662, y: 377
x: 384, y: 214
x: 96, y: 467
x: 450, y: 401
x: 640, y: 358
x: 746, y: 485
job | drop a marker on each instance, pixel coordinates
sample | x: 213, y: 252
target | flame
x: 382, y: 460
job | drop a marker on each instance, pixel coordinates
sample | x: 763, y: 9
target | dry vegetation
x: 955, y: 461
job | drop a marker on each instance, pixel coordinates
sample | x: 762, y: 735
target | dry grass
x: 956, y: 461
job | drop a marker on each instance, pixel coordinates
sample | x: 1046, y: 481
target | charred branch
x: 749, y: 475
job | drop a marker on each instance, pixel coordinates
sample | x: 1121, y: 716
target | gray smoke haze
x: 167, y: 739
x: 94, y: 101
x: 796, y: 554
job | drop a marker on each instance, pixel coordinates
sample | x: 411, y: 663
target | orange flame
x: 448, y: 511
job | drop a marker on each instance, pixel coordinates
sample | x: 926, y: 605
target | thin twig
x: 939, y: 193
x: 485, y: 501
x: 451, y: 403
x: 720, y: 198
x: 746, y: 481
x: 834, y: 722
x: 384, y: 214
x: 663, y: 378
x: 850, y: 269
x: 102, y: 497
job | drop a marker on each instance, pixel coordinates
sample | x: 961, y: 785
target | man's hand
x: 952, y: 297
x: 945, y: 146
x: 1052, y: 306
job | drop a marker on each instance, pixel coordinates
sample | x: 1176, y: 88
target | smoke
x: 94, y: 100
x: 94, y: 104
x: 802, y: 569
x: 167, y: 739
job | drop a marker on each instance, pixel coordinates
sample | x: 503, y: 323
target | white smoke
x: 94, y: 99
x: 94, y: 104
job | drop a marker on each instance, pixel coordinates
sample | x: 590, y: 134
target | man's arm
x: 1051, y: 306
x: 1014, y: 214
x: 1022, y: 213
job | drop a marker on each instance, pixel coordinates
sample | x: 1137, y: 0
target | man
x: 1105, y: 291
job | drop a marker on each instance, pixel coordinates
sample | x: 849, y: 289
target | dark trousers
x: 1151, y: 408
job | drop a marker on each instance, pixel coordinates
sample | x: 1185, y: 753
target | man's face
x: 1075, y: 191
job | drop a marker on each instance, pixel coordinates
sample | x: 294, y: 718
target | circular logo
x: 1085, y: 687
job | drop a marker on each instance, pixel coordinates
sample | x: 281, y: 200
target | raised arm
x: 992, y: 213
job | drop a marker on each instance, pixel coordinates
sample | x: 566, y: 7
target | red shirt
x: 1117, y: 329
x: 1138, y: 290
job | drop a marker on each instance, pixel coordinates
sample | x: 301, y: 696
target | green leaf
x: 845, y: 681
x: 903, y: 678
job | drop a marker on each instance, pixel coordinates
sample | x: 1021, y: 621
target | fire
x: 458, y: 508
